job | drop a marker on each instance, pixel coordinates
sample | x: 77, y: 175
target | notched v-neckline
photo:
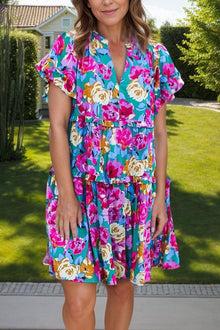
x: 119, y: 81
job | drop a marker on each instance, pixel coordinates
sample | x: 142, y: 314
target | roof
x: 31, y: 16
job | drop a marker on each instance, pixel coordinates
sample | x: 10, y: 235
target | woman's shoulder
x: 155, y: 47
x: 64, y: 43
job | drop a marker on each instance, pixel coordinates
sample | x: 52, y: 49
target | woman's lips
x: 109, y: 12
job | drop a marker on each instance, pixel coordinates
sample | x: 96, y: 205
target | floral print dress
x: 112, y: 151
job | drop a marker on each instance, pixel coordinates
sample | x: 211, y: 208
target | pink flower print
x: 136, y: 71
x: 49, y: 193
x: 81, y: 122
x: 101, y: 195
x: 113, y: 280
x: 69, y: 61
x: 148, y: 119
x: 116, y: 198
x: 142, y: 213
x: 92, y: 173
x: 126, y: 110
x: 104, y: 235
x: 51, y: 212
x: 87, y: 64
x: 78, y: 186
x: 124, y: 137
x: 173, y: 241
x: 159, y: 102
x: 47, y: 69
x: 120, y: 254
x: 69, y: 79
x: 133, y: 259
x: 88, y: 144
x: 146, y: 76
x: 55, y: 238
x: 79, y: 95
x: 105, y: 71
x: 150, y: 58
x: 89, y: 193
x: 77, y: 245
x: 168, y: 70
x: 92, y: 213
x: 97, y: 270
x: 94, y: 235
x: 174, y: 84
x: 114, y: 214
x: 86, y: 109
x: 129, y: 241
x: 166, y: 95
x: 114, y: 169
x: 170, y: 265
x: 96, y: 137
x: 140, y: 141
x: 59, y: 45
x: 110, y: 112
x: 81, y: 162
x: 159, y: 47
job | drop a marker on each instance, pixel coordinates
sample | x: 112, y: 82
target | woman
x: 109, y: 222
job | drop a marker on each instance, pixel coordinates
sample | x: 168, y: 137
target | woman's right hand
x: 68, y: 215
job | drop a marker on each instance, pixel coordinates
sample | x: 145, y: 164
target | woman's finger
x: 80, y: 217
x: 61, y: 229
x: 73, y: 228
x: 153, y: 224
x: 66, y: 228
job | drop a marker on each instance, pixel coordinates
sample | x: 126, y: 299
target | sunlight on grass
x: 193, y: 165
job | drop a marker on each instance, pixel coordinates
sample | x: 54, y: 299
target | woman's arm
x: 159, y: 217
x: 68, y: 209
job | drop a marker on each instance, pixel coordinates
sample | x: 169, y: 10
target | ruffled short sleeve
x: 167, y: 79
x: 59, y: 65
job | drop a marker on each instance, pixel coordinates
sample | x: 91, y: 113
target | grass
x: 194, y: 161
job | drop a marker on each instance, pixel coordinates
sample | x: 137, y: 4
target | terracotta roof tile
x: 28, y: 16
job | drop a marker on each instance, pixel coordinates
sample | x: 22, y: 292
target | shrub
x: 30, y: 58
x: 171, y: 37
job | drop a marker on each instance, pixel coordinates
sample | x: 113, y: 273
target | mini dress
x: 112, y: 155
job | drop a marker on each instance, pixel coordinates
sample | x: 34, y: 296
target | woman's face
x: 109, y: 12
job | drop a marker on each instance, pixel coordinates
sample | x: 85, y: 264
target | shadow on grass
x: 195, y: 217
x: 22, y: 198
x: 172, y: 123
x: 22, y: 203
x: 39, y: 137
x: 196, y: 220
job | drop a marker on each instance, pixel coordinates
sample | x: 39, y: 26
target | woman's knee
x: 123, y: 291
x: 79, y: 308
x: 79, y: 300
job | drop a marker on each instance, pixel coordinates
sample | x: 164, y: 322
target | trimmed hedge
x: 171, y: 36
x: 30, y: 58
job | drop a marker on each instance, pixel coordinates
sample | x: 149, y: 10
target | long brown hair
x: 86, y: 22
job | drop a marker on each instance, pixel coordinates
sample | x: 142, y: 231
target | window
x: 47, y: 42
x: 66, y: 22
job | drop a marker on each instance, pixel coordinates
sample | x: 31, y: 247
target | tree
x: 12, y: 94
x: 154, y: 30
x: 202, y: 42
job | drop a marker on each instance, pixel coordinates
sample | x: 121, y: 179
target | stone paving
x: 209, y: 105
x: 169, y: 290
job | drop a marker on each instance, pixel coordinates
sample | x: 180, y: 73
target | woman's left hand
x: 159, y: 217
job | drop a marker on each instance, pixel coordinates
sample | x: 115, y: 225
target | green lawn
x: 194, y: 161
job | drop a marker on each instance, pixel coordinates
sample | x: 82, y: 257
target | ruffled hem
x: 114, y: 241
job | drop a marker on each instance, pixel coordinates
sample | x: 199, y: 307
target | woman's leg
x: 119, y: 307
x: 78, y: 308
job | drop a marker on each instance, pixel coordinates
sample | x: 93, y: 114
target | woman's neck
x: 114, y: 34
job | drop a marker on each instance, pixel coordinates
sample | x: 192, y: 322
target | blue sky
x: 161, y: 10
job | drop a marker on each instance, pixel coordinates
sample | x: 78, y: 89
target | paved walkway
x: 157, y: 306
x: 210, y: 105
